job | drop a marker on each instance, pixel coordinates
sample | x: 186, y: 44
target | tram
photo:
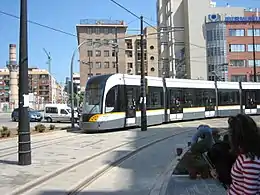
x: 113, y: 101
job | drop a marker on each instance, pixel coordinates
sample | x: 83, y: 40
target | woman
x: 245, y: 142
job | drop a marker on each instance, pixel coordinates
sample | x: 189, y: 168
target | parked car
x: 34, y: 116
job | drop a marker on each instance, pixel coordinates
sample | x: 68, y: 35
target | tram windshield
x: 93, y: 97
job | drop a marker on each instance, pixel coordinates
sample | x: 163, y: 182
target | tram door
x: 130, y: 106
x: 176, y: 107
x: 250, y: 102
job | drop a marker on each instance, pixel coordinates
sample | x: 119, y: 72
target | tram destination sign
x: 242, y: 19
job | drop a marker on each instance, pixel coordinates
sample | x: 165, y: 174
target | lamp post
x: 24, y: 137
x: 71, y: 79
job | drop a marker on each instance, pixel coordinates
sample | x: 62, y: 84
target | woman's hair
x: 244, y: 135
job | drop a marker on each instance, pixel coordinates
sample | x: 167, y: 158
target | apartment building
x: 103, y: 38
x: 133, y: 52
x: 193, y: 38
x: 40, y: 83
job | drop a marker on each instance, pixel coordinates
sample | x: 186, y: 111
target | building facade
x: 44, y: 87
x: 240, y: 47
x: 190, y: 38
x: 133, y: 53
x: 104, y: 38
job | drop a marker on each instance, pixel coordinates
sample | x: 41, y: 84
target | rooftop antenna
x: 49, y: 60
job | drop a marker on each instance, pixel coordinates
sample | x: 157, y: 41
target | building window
x: 90, y: 53
x: 105, y: 30
x: 106, y: 64
x: 129, y: 54
x: 113, y: 53
x: 129, y: 44
x: 251, y: 78
x: 250, y: 47
x: 106, y: 53
x: 251, y: 63
x: 237, y: 48
x: 138, y: 56
x: 236, y: 32
x: 98, y: 65
x: 237, y: 63
x: 256, y: 31
x: 89, y: 30
x: 90, y: 64
x: 114, y: 64
x: 237, y: 78
x: 98, y: 53
x: 98, y: 73
x: 129, y: 65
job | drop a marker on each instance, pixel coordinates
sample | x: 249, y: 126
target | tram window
x: 111, y: 100
x: 249, y: 96
x: 189, y: 99
x: 154, y: 98
x: 175, y: 97
x: 209, y: 97
x: 257, y: 96
x: 228, y: 97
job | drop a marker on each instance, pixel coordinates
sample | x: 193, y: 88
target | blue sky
x: 64, y: 15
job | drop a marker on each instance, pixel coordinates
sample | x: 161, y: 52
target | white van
x: 58, y: 113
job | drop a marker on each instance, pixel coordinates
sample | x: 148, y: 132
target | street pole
x: 24, y: 136
x: 116, y: 50
x: 253, y: 29
x: 143, y: 84
x: 72, y: 84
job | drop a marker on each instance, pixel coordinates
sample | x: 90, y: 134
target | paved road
x: 5, y: 120
x: 67, y: 158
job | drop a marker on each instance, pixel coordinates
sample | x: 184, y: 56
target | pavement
x: 60, y: 160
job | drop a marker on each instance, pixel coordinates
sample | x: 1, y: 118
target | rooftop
x: 101, y: 22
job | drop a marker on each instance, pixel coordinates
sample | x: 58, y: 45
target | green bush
x: 40, y: 128
x: 52, y: 127
x: 5, y: 132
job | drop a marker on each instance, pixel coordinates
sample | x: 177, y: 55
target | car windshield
x: 93, y: 98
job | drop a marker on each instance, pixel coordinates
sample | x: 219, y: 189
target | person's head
x: 244, y: 135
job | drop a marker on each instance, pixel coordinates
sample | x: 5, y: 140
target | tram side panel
x: 228, y: 102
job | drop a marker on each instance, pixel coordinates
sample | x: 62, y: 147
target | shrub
x: 5, y: 132
x: 40, y: 128
x: 52, y: 127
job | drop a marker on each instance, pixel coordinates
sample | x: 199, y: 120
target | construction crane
x: 49, y: 60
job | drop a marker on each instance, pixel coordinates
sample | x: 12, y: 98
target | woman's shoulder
x: 247, y: 159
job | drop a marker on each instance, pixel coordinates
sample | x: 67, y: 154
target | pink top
x: 245, y: 175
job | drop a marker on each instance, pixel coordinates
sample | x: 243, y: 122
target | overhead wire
x: 125, y: 37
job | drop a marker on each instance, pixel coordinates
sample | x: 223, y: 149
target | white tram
x: 112, y: 101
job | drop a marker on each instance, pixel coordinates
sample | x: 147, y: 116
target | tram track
x: 70, y: 172
x: 87, y: 181
x: 37, y: 144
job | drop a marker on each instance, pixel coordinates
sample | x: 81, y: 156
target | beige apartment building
x: 40, y: 83
x: 98, y: 55
x: 97, y: 59
x: 183, y: 49
x: 133, y: 52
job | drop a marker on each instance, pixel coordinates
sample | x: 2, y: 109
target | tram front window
x: 93, y: 98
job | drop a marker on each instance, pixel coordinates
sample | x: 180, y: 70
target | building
x: 240, y: 47
x: 194, y: 39
x: 133, y: 52
x: 40, y: 83
x: 103, y: 39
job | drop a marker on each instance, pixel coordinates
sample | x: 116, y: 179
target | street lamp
x: 98, y: 44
